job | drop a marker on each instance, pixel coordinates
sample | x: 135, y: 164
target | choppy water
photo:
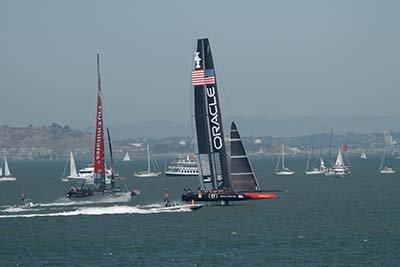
x: 317, y: 221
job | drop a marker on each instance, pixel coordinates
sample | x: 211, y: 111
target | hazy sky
x: 273, y: 58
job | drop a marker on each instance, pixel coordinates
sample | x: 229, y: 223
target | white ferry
x: 183, y: 166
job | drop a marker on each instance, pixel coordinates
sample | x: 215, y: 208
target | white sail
x: 363, y: 155
x: 6, y: 168
x: 322, y: 164
x: 127, y: 157
x: 7, y: 174
x: 72, y: 166
x: 339, y: 159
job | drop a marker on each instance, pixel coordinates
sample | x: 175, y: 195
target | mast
x: 320, y: 157
x: 308, y: 160
x: 277, y: 164
x: 383, y: 158
x: 112, y: 160
x: 212, y: 158
x: 330, y: 149
x: 98, y: 157
x: 148, y: 159
x: 283, y: 156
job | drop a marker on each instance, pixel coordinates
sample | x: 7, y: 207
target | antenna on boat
x: 330, y: 148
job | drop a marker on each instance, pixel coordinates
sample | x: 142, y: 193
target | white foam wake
x: 103, y: 199
x: 98, y: 211
x: 19, y: 209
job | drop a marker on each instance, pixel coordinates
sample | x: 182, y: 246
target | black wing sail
x: 242, y: 175
x: 213, y: 166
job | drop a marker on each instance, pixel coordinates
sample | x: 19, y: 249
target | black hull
x: 86, y: 192
x: 169, y: 174
x: 210, y: 196
x: 80, y: 193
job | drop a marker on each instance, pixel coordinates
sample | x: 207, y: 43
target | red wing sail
x: 98, y: 157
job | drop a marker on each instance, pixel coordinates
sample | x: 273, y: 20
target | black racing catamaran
x: 216, y: 183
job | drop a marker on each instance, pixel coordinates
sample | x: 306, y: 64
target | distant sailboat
x: 6, y: 176
x: 147, y: 173
x: 363, y: 155
x: 284, y: 170
x: 383, y: 169
x: 127, y: 157
x: 316, y: 170
x: 339, y: 169
x: 72, y: 170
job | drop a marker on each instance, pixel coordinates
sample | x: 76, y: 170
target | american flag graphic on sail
x: 203, y: 77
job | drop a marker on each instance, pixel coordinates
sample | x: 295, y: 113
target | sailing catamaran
x: 147, y: 173
x: 99, y: 172
x: 284, y: 170
x: 216, y: 183
x: 383, y: 168
x: 127, y: 157
x: 6, y: 176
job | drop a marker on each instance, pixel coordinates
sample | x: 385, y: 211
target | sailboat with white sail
x: 217, y: 183
x: 83, y: 175
x: 127, y: 157
x: 363, y: 155
x: 5, y: 174
x: 339, y: 169
x: 321, y: 169
x: 383, y: 168
x: 72, y: 169
x: 281, y: 169
x: 148, y: 172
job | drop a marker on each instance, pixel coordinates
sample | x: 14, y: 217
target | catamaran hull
x: 176, y: 207
x: 180, y: 174
x: 83, y: 193
x: 221, y: 196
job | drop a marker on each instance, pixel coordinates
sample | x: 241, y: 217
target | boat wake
x: 89, y: 211
x: 19, y: 209
x: 105, y: 199
x: 65, y: 202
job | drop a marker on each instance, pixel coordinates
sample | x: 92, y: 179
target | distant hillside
x: 56, y: 137
x: 264, y: 126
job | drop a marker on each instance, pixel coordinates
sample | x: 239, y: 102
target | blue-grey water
x: 316, y: 221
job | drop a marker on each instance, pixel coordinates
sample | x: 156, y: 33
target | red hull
x: 259, y: 196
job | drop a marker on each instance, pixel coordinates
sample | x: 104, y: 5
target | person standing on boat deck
x: 166, y: 198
